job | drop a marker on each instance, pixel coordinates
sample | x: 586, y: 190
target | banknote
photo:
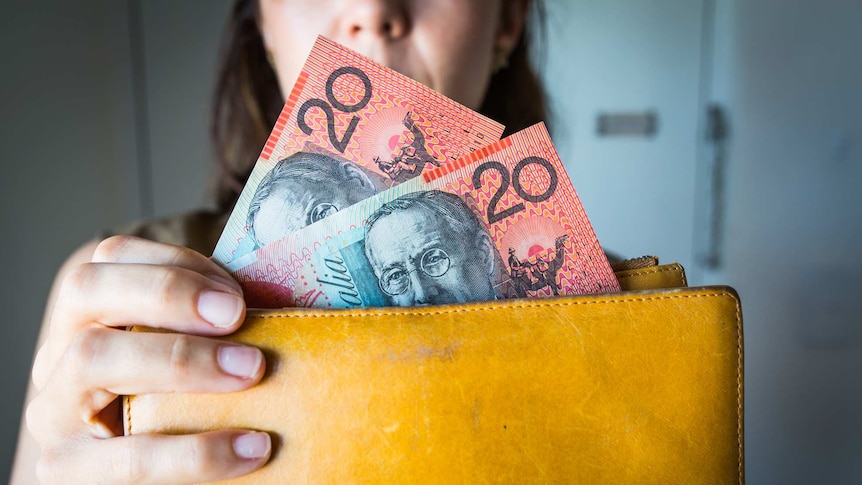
x: 502, y: 222
x: 350, y: 128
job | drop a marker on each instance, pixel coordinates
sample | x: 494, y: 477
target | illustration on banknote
x: 411, y: 158
x: 540, y: 272
x: 386, y: 127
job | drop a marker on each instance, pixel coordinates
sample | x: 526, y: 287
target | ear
x: 262, y: 27
x: 355, y: 175
x: 267, y: 39
x: 485, y: 251
x: 513, y: 17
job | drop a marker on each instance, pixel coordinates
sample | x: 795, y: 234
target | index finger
x: 119, y: 295
x: 135, y: 250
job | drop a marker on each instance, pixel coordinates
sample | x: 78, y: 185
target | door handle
x: 717, y: 131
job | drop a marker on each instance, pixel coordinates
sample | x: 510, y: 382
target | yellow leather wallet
x: 643, y: 386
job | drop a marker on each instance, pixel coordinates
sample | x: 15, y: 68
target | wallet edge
x: 719, y: 291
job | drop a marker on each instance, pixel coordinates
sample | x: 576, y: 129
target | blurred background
x: 723, y: 134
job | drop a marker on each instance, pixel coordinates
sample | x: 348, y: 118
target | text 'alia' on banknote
x: 350, y: 128
x: 502, y: 222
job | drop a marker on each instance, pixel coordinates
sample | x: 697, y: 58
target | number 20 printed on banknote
x: 503, y: 222
x: 350, y: 128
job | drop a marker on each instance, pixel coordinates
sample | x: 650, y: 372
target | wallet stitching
x: 654, y: 271
x: 739, y: 391
x: 128, y: 403
x: 484, y: 308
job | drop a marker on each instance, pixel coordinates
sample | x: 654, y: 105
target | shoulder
x: 198, y: 230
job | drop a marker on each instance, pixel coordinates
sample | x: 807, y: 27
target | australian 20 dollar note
x: 350, y: 128
x: 502, y: 222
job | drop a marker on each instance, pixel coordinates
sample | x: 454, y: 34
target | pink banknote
x: 502, y: 222
x: 350, y: 128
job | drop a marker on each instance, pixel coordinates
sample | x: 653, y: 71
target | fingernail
x: 252, y: 445
x: 220, y: 309
x: 230, y: 283
x: 239, y: 361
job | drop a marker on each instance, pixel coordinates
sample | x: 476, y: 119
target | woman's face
x: 448, y: 45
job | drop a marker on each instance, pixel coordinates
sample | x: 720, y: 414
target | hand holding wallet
x: 643, y: 386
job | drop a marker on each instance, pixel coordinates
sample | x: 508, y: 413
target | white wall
x: 629, y: 56
x: 790, y: 76
x: 790, y: 72
x: 181, y: 41
x: 79, y: 154
x: 67, y: 144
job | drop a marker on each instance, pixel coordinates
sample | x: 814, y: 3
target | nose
x: 425, y: 292
x: 382, y: 19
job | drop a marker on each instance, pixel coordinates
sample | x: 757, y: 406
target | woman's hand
x: 88, y: 360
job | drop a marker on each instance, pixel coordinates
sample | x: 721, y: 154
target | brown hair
x: 247, y: 98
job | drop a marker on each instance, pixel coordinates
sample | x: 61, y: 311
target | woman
x: 472, y: 51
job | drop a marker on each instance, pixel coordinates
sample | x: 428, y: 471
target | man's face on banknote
x: 309, y: 188
x: 419, y: 258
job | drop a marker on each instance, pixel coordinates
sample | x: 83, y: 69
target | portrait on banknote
x: 303, y: 189
x: 428, y: 248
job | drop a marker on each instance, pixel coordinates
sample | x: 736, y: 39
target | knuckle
x: 126, y: 463
x: 46, y: 468
x: 197, y: 457
x: 78, y: 280
x: 34, y: 416
x: 52, y: 465
x: 31, y: 414
x: 169, y: 284
x: 179, y: 254
x: 110, y: 248
x: 39, y: 373
x: 73, y: 297
x: 181, y: 356
x: 83, y: 351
